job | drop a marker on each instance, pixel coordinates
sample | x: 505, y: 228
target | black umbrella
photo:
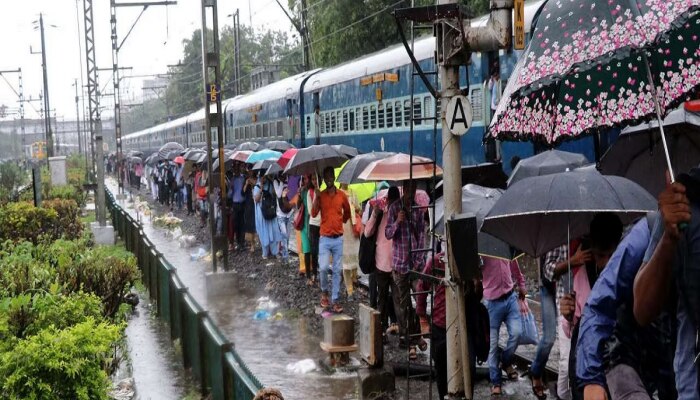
x: 274, y: 169
x: 346, y: 150
x: 540, y: 213
x: 638, y: 153
x: 353, y: 168
x: 135, y: 153
x: 135, y: 160
x: 545, y: 163
x: 152, y: 159
x: 314, y: 159
x: 193, y: 154
x: 165, y: 149
x: 251, y: 146
x: 173, y: 155
x: 215, y: 166
x: 477, y: 200
x: 263, y: 165
x: 278, y: 145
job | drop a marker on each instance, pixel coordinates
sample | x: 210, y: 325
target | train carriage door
x: 316, y: 120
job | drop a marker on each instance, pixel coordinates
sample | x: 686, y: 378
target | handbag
x: 299, y: 218
x: 368, y: 249
x: 529, y: 334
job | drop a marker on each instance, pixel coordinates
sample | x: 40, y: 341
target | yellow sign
x: 519, y: 10
x: 378, y: 78
x: 254, y: 108
x: 378, y: 92
x: 391, y: 77
x: 366, y: 81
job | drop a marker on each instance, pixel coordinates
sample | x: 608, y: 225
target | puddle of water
x: 266, y: 346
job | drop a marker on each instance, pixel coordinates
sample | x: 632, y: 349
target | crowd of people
x: 619, y: 302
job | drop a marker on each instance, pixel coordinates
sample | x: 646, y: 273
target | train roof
x: 395, y: 56
x: 275, y: 90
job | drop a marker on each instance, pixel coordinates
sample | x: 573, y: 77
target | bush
x: 67, y: 192
x: 21, y: 271
x: 23, y: 221
x: 69, y: 225
x: 60, y: 364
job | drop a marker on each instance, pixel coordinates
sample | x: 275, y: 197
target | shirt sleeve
x: 347, y: 212
x: 612, y: 288
x: 518, y: 277
x: 391, y: 224
x: 551, y: 260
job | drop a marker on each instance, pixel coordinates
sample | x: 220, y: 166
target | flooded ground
x: 285, y: 352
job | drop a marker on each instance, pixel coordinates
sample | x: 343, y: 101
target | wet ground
x: 279, y: 350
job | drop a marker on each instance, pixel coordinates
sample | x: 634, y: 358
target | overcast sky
x: 155, y: 42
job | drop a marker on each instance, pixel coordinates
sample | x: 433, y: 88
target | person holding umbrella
x: 335, y: 211
x: 235, y: 187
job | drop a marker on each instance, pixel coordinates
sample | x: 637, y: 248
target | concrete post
x: 100, y: 163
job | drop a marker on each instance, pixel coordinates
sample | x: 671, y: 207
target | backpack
x: 268, y: 205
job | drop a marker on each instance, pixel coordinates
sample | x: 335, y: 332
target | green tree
x: 11, y: 178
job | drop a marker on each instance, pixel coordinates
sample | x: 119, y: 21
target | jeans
x: 624, y: 384
x: 549, y: 332
x: 503, y: 311
x: 284, y: 230
x: 180, y: 197
x: 327, y: 247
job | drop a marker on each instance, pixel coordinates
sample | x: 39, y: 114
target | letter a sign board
x: 459, y: 115
x: 519, y: 19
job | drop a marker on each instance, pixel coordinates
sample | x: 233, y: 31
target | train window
x: 327, y: 128
x: 373, y: 117
x: 477, y: 100
x: 427, y: 106
x: 280, y: 128
x: 345, y: 120
x: 352, y: 120
x: 417, y: 111
x: 266, y: 130
x: 365, y: 118
x: 247, y: 132
x: 308, y: 125
x: 333, y: 125
x: 358, y: 120
x: 258, y: 130
x: 438, y: 106
x: 380, y: 117
x: 407, y: 113
x: 397, y: 111
x: 389, y: 115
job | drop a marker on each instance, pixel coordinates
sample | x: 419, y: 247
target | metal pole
x: 77, y: 117
x: 21, y: 109
x: 47, y: 108
x: 115, y: 79
x: 305, y: 36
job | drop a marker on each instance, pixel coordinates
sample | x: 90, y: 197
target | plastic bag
x: 198, y: 255
x: 529, y: 334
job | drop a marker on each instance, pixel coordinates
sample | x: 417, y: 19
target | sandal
x: 496, y: 392
x: 412, y: 355
x: 538, y: 390
x: 325, y: 303
x: 393, y: 329
x: 337, y: 308
x: 511, y: 373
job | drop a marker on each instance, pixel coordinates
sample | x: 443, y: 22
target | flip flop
x: 538, y: 390
x: 511, y: 373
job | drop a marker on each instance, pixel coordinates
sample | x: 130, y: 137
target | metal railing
x: 206, y: 353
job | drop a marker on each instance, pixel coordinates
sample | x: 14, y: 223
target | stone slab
x: 57, y: 166
x: 339, y: 330
x: 104, y: 235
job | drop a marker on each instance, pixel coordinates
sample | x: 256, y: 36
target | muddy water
x: 269, y: 347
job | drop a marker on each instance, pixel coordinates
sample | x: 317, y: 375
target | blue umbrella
x: 264, y: 154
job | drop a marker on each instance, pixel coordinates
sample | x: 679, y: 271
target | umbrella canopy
x: 263, y: 165
x: 535, y: 213
x: 352, y: 169
x: 179, y: 160
x: 172, y: 155
x: 165, y: 149
x: 286, y: 157
x: 638, y: 154
x: 545, y: 163
x: 314, y: 159
x: 240, y: 155
x: 193, y: 154
x: 248, y: 146
x: 152, y: 159
x: 263, y: 154
x: 135, y: 153
x: 346, y: 150
x: 477, y: 200
x: 279, y: 145
x: 398, y: 168
x: 274, y: 169
x: 135, y: 160
x: 227, y: 164
x: 595, y: 64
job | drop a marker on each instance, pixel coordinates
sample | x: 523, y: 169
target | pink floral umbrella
x: 597, y: 64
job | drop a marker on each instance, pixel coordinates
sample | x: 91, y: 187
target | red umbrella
x: 286, y: 157
x: 179, y: 160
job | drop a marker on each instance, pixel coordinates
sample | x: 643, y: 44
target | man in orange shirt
x: 335, y: 211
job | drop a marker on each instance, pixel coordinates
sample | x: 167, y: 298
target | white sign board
x: 459, y: 115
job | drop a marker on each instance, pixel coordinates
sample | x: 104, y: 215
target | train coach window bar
x: 427, y: 106
x: 308, y: 125
x: 407, y: 112
x: 339, y: 116
x: 389, y: 115
x: 346, y: 125
x: 352, y: 120
x: 358, y: 121
x: 365, y: 118
x: 397, y: 110
x: 333, y: 125
x: 373, y: 117
x: 380, y: 117
x: 477, y: 99
x: 266, y: 130
x: 258, y: 131
x: 247, y: 132
x: 327, y: 128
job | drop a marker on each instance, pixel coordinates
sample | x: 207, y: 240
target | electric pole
x: 20, y: 95
x: 116, y: 46
x: 303, y: 32
x: 47, y: 107
x: 213, y: 119
x: 237, y: 52
x: 77, y: 116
